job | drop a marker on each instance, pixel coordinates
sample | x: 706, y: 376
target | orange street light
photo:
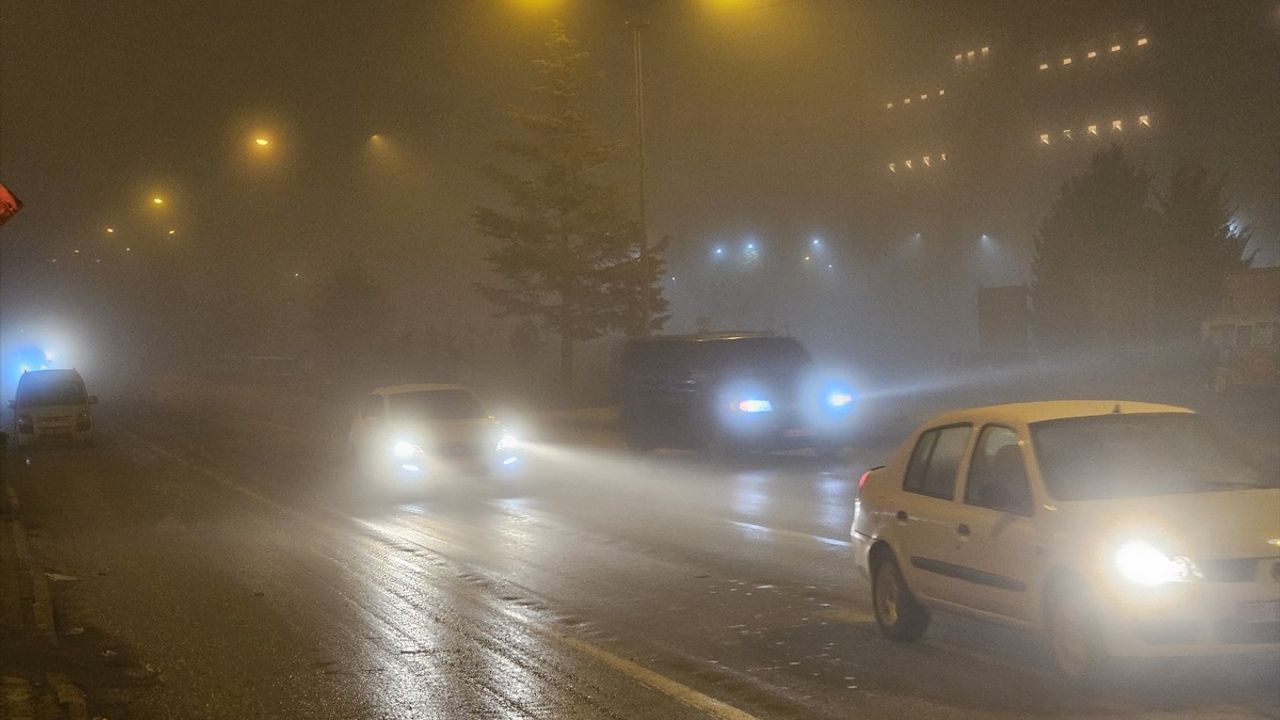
x: 157, y: 200
x: 261, y: 142
x: 172, y: 232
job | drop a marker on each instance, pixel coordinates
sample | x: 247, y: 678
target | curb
x: 69, y: 697
x: 42, y: 600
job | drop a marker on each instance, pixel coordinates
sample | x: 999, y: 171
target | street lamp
x: 636, y: 25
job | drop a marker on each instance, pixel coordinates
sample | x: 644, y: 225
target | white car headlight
x: 1143, y: 564
x: 404, y: 449
x: 507, y: 442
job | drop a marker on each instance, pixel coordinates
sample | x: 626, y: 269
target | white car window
x: 935, y: 461
x: 997, y: 473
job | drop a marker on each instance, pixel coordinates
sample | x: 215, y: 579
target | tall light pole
x: 636, y: 25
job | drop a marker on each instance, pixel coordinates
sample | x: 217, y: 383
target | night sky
x: 760, y: 117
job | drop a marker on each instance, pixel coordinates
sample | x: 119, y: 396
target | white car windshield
x: 59, y: 391
x: 1114, y: 456
x: 454, y: 404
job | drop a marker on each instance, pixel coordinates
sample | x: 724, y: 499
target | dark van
x: 728, y: 393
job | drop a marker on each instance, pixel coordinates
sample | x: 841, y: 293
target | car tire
x: 899, y: 615
x: 1074, y: 635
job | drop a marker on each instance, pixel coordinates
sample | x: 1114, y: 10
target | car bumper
x: 779, y: 436
x: 1202, y: 619
x: 861, y: 545
x: 54, y: 434
x: 422, y: 470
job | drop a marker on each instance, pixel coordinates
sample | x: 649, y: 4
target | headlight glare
x: 753, y: 405
x: 507, y: 442
x: 404, y: 449
x: 1143, y: 564
x: 839, y: 399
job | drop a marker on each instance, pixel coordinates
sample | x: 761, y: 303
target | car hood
x: 443, y: 432
x: 48, y: 411
x: 1202, y: 526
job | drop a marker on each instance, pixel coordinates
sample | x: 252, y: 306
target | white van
x: 52, y: 404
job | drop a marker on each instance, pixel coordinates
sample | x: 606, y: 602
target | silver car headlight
x: 1143, y: 564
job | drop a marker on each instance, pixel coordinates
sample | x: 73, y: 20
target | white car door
x: 998, y: 550
x: 924, y: 513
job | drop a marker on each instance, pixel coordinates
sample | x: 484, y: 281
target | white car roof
x: 1033, y: 412
x: 416, y: 388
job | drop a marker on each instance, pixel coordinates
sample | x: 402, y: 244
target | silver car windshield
x: 436, y: 405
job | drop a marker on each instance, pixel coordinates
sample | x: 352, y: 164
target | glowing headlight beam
x: 754, y: 406
x: 839, y: 399
x: 1143, y: 564
x: 404, y: 449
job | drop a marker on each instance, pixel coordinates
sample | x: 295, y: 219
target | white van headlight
x: 404, y: 449
x: 1144, y: 564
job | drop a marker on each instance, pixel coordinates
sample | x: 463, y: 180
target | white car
x: 1115, y: 529
x: 409, y: 433
x: 52, y: 404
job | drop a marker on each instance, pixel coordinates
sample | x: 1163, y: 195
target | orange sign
x: 9, y: 204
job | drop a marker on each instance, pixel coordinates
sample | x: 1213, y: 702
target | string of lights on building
x: 1093, y: 130
x: 922, y: 97
x: 1114, y: 48
x: 970, y: 57
x: 924, y: 162
x: 1050, y: 63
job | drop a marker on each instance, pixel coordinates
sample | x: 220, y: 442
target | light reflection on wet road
x: 596, y: 584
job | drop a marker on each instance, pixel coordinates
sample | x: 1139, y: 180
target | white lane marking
x: 790, y: 533
x: 661, y: 683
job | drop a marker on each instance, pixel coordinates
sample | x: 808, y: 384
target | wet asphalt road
x: 208, y: 563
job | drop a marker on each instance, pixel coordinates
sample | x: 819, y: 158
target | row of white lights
x: 925, y: 161
x: 1093, y: 54
x: 972, y: 55
x: 923, y: 96
x: 1093, y: 130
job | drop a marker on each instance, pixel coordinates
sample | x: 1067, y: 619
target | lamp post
x: 646, y: 312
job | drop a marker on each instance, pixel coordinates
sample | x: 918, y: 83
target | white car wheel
x: 1075, y: 640
x: 900, y: 616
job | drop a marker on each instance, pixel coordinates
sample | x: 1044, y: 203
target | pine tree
x: 565, y: 250
x: 1094, y: 255
x: 1198, y: 247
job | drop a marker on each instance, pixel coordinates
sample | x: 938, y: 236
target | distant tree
x: 1198, y: 247
x: 525, y: 342
x: 352, y: 322
x: 1094, y: 256
x: 565, y: 245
